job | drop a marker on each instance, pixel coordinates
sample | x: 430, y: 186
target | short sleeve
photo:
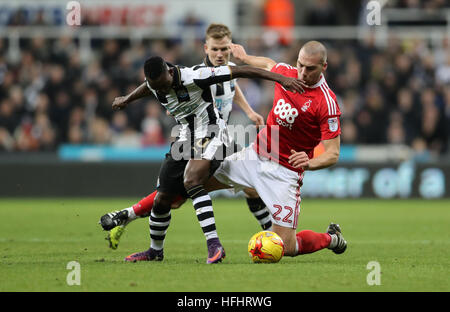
x: 329, y: 117
x: 283, y: 69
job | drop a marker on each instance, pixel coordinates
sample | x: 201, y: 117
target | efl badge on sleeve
x: 333, y: 124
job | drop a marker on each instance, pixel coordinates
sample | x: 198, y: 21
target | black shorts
x: 171, y: 174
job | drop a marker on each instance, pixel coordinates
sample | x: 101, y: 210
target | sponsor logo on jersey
x: 333, y: 124
x: 286, y: 114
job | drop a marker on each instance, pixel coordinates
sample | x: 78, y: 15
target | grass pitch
x: 410, y: 239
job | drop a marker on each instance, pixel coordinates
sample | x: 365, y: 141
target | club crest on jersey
x: 306, y: 106
x: 333, y: 124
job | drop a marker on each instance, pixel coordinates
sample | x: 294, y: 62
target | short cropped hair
x: 218, y: 31
x: 154, y: 67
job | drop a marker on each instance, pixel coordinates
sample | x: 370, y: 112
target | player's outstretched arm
x: 122, y: 102
x: 239, y: 53
x: 291, y: 84
x: 241, y: 101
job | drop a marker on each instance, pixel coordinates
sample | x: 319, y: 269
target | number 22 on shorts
x: 279, y: 210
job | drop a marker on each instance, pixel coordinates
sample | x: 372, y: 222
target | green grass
x: 409, y: 238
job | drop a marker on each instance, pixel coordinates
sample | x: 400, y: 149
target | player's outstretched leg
x: 307, y: 241
x: 116, y: 222
x: 125, y: 216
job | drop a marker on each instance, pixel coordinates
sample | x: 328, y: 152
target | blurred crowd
x: 398, y: 93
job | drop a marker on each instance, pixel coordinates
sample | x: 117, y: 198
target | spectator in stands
x: 53, y: 94
x: 433, y: 125
x: 122, y: 134
x: 151, y: 125
x: 321, y: 13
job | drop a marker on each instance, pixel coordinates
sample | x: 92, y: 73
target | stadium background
x: 59, y: 136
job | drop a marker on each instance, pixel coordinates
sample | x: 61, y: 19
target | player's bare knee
x: 289, y: 239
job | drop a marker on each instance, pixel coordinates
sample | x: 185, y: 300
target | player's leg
x: 285, y: 220
x: 170, y: 186
x: 258, y: 209
x: 283, y: 200
x: 115, y: 222
x: 195, y: 176
x: 307, y: 241
x: 159, y: 222
x: 120, y: 219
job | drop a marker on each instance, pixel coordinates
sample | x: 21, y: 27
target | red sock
x: 144, y: 206
x: 309, y: 241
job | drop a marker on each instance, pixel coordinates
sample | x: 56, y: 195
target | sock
x: 309, y: 241
x: 204, y: 210
x: 159, y: 223
x: 261, y: 213
x: 334, y: 241
x: 145, y: 205
x: 131, y: 216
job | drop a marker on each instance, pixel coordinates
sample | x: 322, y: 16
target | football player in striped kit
x: 186, y: 94
x: 217, y: 50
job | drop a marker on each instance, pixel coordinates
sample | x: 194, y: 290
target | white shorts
x: 278, y: 186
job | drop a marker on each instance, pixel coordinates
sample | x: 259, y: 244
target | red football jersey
x: 298, y: 121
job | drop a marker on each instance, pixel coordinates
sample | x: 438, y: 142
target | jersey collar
x: 208, y: 62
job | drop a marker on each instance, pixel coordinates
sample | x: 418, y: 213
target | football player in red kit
x: 275, y: 164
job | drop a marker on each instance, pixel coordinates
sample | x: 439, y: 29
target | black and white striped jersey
x: 223, y: 93
x: 190, y: 100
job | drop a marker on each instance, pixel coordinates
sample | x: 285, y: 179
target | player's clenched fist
x: 299, y: 160
x: 120, y: 103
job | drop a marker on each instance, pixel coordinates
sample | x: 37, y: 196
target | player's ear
x: 205, y: 47
x: 325, y: 65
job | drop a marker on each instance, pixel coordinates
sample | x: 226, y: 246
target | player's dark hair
x: 154, y: 67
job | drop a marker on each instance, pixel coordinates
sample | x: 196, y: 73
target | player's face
x: 218, y: 50
x: 164, y: 83
x: 310, y: 67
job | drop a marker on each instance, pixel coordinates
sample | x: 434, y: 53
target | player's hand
x: 299, y: 160
x: 238, y: 52
x: 256, y: 118
x: 120, y: 103
x: 293, y: 84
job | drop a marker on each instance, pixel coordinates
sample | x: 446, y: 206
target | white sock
x: 131, y: 215
x: 334, y: 241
